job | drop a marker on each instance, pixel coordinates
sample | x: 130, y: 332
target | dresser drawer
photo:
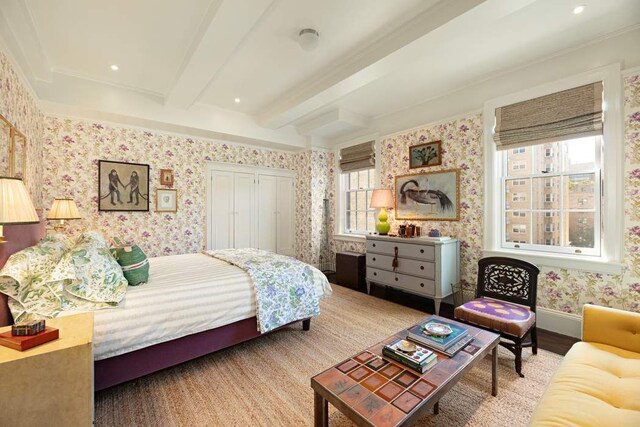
x: 405, y: 250
x: 405, y: 265
x: 402, y: 281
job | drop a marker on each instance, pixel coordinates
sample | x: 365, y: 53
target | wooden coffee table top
x: 373, y: 390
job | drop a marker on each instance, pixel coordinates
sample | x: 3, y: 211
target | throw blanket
x: 284, y: 286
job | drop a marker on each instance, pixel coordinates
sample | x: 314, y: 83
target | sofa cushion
x: 496, y: 315
x: 596, y: 385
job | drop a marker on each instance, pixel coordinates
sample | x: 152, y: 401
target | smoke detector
x: 308, y: 39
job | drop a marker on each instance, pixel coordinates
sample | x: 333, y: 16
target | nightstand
x: 51, y: 384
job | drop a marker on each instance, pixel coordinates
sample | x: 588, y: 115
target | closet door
x: 285, y: 216
x: 222, y: 209
x: 243, y: 212
x: 267, y: 207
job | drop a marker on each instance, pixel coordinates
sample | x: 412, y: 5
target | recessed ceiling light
x: 578, y: 9
x: 114, y: 67
x: 237, y: 100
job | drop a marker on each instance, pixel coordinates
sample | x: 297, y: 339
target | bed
x: 192, y: 305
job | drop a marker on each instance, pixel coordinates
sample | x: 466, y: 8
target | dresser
x: 425, y: 267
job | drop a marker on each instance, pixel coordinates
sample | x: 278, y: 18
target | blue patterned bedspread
x: 285, y: 290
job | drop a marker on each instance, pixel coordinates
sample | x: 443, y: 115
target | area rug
x: 266, y: 382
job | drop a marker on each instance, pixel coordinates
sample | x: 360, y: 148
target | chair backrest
x: 508, y: 279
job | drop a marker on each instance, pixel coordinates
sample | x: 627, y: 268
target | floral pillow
x: 92, y: 237
x: 88, y: 276
x: 23, y: 280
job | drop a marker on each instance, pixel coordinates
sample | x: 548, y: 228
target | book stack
x: 449, y: 344
x: 421, y: 360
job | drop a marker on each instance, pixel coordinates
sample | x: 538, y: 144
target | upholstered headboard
x: 18, y: 237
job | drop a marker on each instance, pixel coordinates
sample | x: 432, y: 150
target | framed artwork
x: 166, y: 177
x: 166, y: 200
x: 425, y: 155
x: 123, y: 186
x: 428, y: 196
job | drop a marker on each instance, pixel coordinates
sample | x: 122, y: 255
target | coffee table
x: 372, y: 390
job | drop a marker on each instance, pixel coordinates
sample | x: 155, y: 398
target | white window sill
x: 590, y: 264
x: 350, y: 237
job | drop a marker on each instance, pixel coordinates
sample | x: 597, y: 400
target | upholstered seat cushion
x: 596, y: 385
x: 496, y: 315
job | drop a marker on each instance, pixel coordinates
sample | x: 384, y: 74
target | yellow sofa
x: 598, y: 382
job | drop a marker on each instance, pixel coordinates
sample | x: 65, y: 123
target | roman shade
x: 361, y: 156
x: 572, y: 113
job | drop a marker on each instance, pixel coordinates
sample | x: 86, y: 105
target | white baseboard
x: 559, y: 322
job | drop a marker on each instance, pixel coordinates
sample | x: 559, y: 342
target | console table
x: 425, y: 267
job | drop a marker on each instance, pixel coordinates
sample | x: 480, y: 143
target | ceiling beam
x: 361, y: 68
x: 224, y: 28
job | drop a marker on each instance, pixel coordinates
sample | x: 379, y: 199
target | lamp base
x: 383, y: 227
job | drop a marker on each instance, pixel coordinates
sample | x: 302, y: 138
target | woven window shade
x: 572, y: 113
x: 361, y: 156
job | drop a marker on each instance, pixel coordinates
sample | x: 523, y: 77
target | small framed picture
x: 166, y: 177
x: 425, y: 155
x: 166, y: 200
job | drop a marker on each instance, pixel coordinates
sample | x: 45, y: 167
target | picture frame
x: 428, y: 196
x: 166, y: 200
x: 166, y: 177
x: 425, y: 155
x: 123, y: 187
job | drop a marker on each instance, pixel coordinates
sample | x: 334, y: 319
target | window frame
x: 611, y: 178
x: 345, y: 190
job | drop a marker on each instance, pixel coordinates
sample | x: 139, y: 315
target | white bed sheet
x: 186, y: 294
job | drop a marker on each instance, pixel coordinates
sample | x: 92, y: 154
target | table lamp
x: 61, y: 210
x: 15, y: 204
x: 382, y: 199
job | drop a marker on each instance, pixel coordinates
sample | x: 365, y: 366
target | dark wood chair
x: 505, y: 303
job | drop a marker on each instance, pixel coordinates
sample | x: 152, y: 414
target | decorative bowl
x: 407, y: 346
x: 438, y: 329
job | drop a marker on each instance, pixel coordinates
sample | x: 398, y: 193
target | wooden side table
x: 51, y: 384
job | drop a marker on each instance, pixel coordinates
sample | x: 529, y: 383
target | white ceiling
x: 182, y: 63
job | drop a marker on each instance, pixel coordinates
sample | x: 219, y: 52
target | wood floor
x: 547, y: 340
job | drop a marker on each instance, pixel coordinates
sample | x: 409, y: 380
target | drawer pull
x: 374, y: 245
x: 396, y: 279
x: 395, y: 248
x: 375, y: 274
x: 374, y: 258
x: 422, y: 285
x: 421, y: 267
x: 421, y: 251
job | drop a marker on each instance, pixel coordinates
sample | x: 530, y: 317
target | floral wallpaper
x: 558, y: 289
x: 20, y: 108
x: 73, y: 147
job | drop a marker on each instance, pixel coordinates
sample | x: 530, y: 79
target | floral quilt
x: 285, y: 290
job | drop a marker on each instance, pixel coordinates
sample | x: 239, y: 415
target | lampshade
x: 382, y: 198
x: 63, y: 209
x: 15, y: 203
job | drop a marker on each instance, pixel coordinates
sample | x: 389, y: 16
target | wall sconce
x: 15, y: 204
x: 61, y: 210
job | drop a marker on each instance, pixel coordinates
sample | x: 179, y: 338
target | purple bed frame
x: 125, y: 367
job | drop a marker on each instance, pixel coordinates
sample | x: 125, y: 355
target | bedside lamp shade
x: 382, y: 199
x: 15, y: 204
x: 63, y: 209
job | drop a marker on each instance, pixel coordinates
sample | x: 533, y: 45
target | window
x: 519, y: 182
x: 548, y: 152
x: 519, y: 229
x: 519, y: 150
x: 595, y: 245
x: 357, y: 187
x: 564, y: 202
x: 518, y: 166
